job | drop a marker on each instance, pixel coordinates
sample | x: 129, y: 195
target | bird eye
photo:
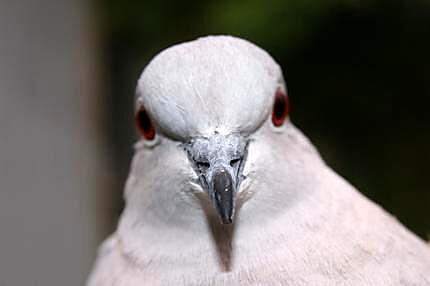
x: 280, y: 108
x: 144, y: 124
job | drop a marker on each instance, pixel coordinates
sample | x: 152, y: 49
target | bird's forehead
x: 214, y: 84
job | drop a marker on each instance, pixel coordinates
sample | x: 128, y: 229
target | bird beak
x: 218, y: 162
x: 223, y: 190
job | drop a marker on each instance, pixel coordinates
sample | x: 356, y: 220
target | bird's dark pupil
x: 279, y: 108
x: 145, y: 125
x: 144, y: 121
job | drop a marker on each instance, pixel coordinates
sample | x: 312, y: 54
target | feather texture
x: 297, y: 221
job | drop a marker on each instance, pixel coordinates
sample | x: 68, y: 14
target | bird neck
x: 154, y: 242
x: 277, y: 193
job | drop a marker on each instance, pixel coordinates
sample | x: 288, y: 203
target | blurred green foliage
x: 357, y: 74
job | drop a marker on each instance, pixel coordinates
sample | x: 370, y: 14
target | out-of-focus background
x: 358, y: 78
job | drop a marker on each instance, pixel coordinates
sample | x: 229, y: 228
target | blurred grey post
x: 52, y: 154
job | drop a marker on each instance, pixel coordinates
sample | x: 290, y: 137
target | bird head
x: 209, y: 113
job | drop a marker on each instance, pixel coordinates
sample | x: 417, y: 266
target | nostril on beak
x: 234, y: 162
x: 203, y: 165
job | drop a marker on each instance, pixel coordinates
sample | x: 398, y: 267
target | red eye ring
x: 281, y: 107
x: 144, y: 124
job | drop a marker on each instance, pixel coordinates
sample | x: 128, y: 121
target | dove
x: 224, y: 190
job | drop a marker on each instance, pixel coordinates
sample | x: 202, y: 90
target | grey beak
x: 223, y: 190
x: 218, y: 161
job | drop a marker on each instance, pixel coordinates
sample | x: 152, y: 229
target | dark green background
x: 357, y: 73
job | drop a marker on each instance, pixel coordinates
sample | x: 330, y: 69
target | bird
x: 224, y: 189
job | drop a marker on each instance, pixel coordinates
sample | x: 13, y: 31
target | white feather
x: 299, y: 223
